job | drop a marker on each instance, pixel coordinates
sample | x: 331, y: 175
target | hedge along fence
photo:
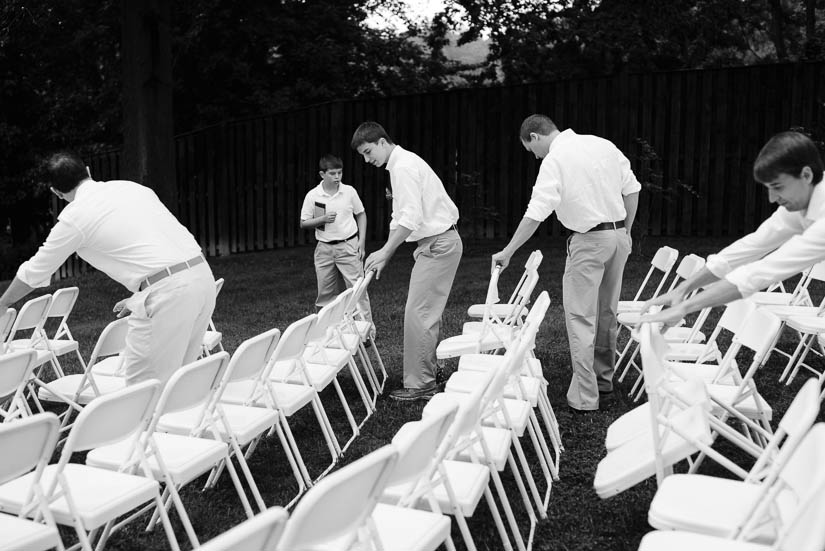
x: 691, y: 136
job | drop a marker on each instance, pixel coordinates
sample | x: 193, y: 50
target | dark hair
x: 787, y: 153
x: 540, y: 124
x: 64, y: 170
x: 369, y: 132
x: 328, y: 162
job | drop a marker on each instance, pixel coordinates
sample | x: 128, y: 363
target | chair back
x: 192, y: 385
x: 804, y: 476
x: 63, y: 301
x: 758, y: 331
x: 689, y: 265
x: 112, y: 417
x: 32, y: 315
x: 218, y: 285
x: 340, y: 503
x: 252, y: 356
x: 27, y: 443
x: 112, y: 340
x: 417, y: 443
x: 468, y: 413
x: 15, y: 370
x: 260, y: 533
x: 6, y: 323
x: 293, y: 340
x: 358, y: 292
x: 735, y: 314
x: 331, y: 314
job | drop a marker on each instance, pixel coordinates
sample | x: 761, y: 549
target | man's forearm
x: 361, y: 222
x: 631, y: 206
x: 525, y: 230
x: 716, y: 294
x: 701, y: 279
x: 396, y: 237
x: 16, y: 290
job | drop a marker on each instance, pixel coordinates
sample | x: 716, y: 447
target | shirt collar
x: 84, y: 188
x: 394, y: 154
x: 563, y: 136
x: 322, y: 191
x: 816, y: 206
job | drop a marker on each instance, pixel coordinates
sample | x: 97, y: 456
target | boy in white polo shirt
x: 337, y: 214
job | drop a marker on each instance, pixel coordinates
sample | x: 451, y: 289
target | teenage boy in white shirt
x: 337, y: 214
x: 423, y: 213
x: 792, y: 239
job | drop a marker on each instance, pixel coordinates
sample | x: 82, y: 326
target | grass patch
x: 273, y: 289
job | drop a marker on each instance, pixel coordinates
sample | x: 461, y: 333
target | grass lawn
x: 273, y: 289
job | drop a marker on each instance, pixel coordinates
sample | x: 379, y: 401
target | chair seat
x: 773, y: 298
x: 486, y: 362
x: 111, y: 365
x: 691, y: 352
x: 363, y: 328
x: 20, y: 534
x: 681, y: 334
x: 784, y: 311
x: 43, y: 355
x: 99, y: 495
x: 68, y: 386
x: 705, y: 505
x: 319, y: 375
x: 288, y: 397
x: 635, y: 460
x: 466, y: 381
x: 350, y: 342
x: 467, y: 480
x: 629, y: 306
x: 498, y: 443
x: 670, y: 540
x: 337, y: 357
x: 185, y: 457
x: 458, y: 345
x: 211, y: 339
x: 807, y: 324
x: 403, y: 529
x: 518, y: 410
x: 501, y: 311
x: 245, y: 422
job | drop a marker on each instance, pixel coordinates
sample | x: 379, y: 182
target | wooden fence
x: 691, y: 137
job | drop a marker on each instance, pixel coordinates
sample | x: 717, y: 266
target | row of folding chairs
x: 774, y: 505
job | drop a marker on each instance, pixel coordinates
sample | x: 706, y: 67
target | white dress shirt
x: 419, y: 201
x: 345, y: 202
x: 797, y: 240
x: 583, y: 179
x: 119, y: 227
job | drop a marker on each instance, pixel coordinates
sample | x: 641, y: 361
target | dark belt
x: 607, y: 226
x: 336, y: 241
x: 169, y: 270
x: 452, y: 227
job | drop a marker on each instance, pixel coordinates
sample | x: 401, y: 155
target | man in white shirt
x: 122, y: 229
x: 792, y: 239
x: 422, y: 212
x: 588, y: 183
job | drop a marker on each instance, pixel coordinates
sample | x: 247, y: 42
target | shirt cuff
x: 24, y: 276
x: 534, y: 214
x: 744, y: 281
x: 718, y: 266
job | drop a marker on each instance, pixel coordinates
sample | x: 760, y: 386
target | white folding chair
x: 90, y: 499
x: 357, y: 324
x: 335, y: 513
x: 62, y: 341
x: 260, y: 533
x: 78, y: 389
x: 799, y: 490
x: 28, y: 445
x: 674, y: 435
x: 213, y: 338
x: 663, y: 261
x: 236, y: 423
x: 15, y: 373
x: 516, y: 305
x: 721, y: 506
x: 176, y: 460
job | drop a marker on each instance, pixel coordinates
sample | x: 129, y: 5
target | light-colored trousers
x: 167, y: 324
x: 334, y: 263
x: 592, y: 283
x: 436, y: 262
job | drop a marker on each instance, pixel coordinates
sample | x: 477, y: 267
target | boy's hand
x: 330, y: 217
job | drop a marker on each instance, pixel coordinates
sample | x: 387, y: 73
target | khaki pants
x: 592, y: 283
x: 436, y: 262
x: 167, y: 324
x: 334, y: 263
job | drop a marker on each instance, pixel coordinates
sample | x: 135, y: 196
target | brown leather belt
x: 336, y: 241
x: 607, y: 226
x: 169, y: 270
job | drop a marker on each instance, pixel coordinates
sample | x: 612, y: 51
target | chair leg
x: 804, y: 344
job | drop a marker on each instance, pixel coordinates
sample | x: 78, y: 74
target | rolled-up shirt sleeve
x: 630, y: 184
x: 772, y: 233
x: 406, y: 194
x: 797, y: 254
x: 63, y: 240
x: 546, y: 194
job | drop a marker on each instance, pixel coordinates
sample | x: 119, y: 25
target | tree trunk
x: 148, y: 134
x: 811, y: 41
x: 778, y: 29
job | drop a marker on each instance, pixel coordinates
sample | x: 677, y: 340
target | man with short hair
x: 423, y: 213
x: 792, y: 239
x: 124, y: 230
x: 588, y: 183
